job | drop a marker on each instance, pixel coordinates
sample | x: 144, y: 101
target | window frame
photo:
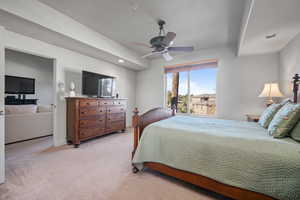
x: 188, y: 92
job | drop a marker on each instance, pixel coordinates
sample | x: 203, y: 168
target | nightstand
x: 252, y: 118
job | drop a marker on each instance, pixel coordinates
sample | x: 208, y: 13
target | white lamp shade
x: 271, y: 90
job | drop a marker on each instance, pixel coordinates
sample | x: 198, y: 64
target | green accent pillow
x: 268, y: 115
x: 284, y: 120
x: 295, y: 134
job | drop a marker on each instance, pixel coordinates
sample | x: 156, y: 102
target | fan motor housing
x: 157, y: 43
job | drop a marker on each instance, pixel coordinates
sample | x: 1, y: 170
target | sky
x: 202, y: 81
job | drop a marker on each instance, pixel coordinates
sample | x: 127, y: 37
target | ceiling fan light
x: 167, y: 56
x: 121, y: 61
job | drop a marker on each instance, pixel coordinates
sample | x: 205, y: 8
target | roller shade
x: 211, y: 63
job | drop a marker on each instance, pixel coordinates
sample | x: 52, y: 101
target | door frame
x: 2, y: 123
x: 55, y: 92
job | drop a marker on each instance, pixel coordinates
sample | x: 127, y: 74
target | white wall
x: 30, y: 66
x: 239, y: 82
x: 289, y: 65
x: 69, y: 66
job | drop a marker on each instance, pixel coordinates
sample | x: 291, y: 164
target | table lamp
x: 270, y: 90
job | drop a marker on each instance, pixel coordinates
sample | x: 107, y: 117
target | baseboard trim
x: 28, y: 139
x: 58, y: 143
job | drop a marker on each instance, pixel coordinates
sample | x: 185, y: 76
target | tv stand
x: 11, y: 100
x: 22, y: 96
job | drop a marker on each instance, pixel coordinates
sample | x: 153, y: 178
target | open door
x: 2, y: 156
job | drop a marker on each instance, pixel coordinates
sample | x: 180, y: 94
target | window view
x: 192, y: 91
x: 178, y: 90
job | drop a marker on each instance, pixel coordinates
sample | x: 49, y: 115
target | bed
x: 233, y: 158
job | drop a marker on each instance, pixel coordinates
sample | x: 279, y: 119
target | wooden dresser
x: 91, y: 117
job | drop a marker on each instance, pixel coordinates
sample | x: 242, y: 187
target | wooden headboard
x: 296, y: 83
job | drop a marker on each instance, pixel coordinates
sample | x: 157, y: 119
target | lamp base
x: 269, y: 102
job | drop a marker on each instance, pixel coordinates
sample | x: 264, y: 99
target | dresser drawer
x: 98, y: 122
x: 118, y: 103
x: 85, y: 133
x: 112, y: 102
x: 88, y: 103
x: 115, y: 125
x: 115, y: 117
x: 105, y: 102
x: 116, y: 109
x: 90, y: 112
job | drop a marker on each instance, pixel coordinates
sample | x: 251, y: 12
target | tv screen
x: 99, y: 85
x: 19, y: 85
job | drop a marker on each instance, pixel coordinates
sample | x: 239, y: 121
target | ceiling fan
x: 162, y: 44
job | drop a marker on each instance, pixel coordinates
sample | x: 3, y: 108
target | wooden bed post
x: 135, y: 126
x: 296, y: 83
x: 139, y: 122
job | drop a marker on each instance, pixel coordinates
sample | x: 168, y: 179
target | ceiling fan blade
x: 185, y: 49
x: 141, y: 44
x: 167, y: 56
x: 169, y: 38
x: 150, y: 54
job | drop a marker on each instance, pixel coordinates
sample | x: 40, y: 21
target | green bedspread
x: 237, y: 153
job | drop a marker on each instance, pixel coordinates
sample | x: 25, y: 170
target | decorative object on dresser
x: 270, y: 90
x: 252, y: 118
x: 91, y: 117
x: 72, y: 89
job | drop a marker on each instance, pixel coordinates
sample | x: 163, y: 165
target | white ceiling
x: 202, y: 23
x: 267, y: 17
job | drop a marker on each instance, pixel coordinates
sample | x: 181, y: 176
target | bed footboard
x: 139, y: 122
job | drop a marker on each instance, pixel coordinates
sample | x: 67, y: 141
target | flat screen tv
x: 99, y: 85
x: 19, y: 85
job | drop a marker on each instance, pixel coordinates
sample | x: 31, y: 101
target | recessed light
x: 121, y: 61
x: 271, y: 36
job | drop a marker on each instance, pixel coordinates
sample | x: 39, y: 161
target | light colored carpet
x: 99, y: 170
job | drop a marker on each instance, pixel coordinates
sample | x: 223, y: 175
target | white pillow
x: 44, y: 108
x: 20, y: 109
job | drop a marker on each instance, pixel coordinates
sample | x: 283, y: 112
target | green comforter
x: 237, y: 153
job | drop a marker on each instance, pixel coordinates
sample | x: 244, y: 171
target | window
x: 192, y: 87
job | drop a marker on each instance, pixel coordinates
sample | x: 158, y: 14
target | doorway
x: 38, y: 123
